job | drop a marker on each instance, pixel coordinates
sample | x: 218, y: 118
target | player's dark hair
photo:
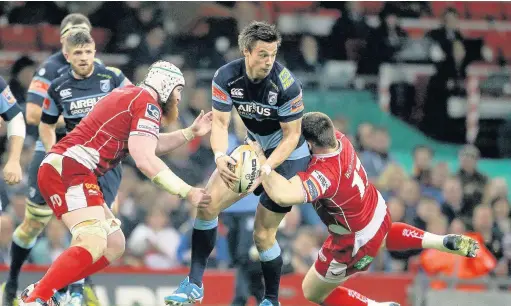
x: 74, y: 19
x: 79, y: 39
x: 258, y: 30
x: 318, y: 129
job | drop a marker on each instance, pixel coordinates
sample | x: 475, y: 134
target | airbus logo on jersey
x: 65, y: 93
x: 237, y: 93
x: 83, y: 106
x: 253, y: 108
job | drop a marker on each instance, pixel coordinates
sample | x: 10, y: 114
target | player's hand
x: 198, y: 197
x: 12, y: 173
x: 224, y: 165
x: 202, y: 124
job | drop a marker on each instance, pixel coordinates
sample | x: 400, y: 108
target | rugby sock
x: 345, y: 296
x: 99, y: 265
x: 18, y: 257
x: 203, y: 242
x: 404, y: 237
x: 64, y: 270
x: 271, y: 264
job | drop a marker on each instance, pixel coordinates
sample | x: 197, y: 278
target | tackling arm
x: 291, y: 131
x: 284, y: 192
x: 142, y: 149
x: 173, y: 140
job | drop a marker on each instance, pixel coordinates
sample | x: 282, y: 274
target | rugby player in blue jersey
x: 268, y: 98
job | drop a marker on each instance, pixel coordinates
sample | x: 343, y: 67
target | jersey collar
x: 332, y: 154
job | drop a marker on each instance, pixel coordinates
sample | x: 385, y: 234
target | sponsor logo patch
x: 65, y: 93
x: 286, y: 78
x: 219, y: 95
x: 272, y: 98
x: 148, y: 126
x: 237, y: 93
x: 311, y: 189
x: 363, y: 262
x: 9, y: 97
x: 323, y: 181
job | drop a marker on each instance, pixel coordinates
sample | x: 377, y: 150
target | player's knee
x: 116, y: 240
x: 92, y: 236
x: 264, y: 238
x: 35, y: 220
x: 208, y: 213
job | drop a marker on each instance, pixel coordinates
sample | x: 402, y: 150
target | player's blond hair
x: 257, y: 31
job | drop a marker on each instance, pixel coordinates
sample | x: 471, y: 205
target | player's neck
x: 80, y: 77
x: 322, y: 150
x: 250, y: 75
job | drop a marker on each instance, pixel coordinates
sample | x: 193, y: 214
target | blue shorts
x: 109, y: 183
x: 287, y: 169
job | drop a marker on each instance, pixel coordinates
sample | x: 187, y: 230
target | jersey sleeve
x: 120, y: 79
x: 38, y: 89
x: 51, y: 107
x: 290, y: 99
x: 317, y: 183
x: 221, y: 98
x: 8, y: 106
x: 145, y: 118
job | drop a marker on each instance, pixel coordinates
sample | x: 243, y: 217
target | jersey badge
x: 152, y: 112
x: 312, y: 190
x: 272, y: 98
x: 363, y: 262
x: 104, y: 85
x: 286, y: 78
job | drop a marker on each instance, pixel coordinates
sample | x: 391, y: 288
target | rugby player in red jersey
x: 354, y: 212
x: 127, y: 121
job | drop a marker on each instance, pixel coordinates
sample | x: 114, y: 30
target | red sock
x: 99, y: 265
x: 62, y: 272
x: 345, y: 296
x: 403, y: 236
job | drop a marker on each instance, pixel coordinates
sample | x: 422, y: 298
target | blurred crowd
x: 158, y: 226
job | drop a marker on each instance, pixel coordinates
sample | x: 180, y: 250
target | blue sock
x: 203, y: 242
x: 271, y: 264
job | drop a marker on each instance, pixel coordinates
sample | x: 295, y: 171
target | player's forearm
x: 47, y: 135
x: 34, y: 113
x: 219, y: 138
x: 167, y: 142
x: 280, y: 190
x: 283, y: 150
x: 15, y: 148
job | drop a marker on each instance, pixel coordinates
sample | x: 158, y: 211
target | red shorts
x: 336, y: 261
x: 72, y: 188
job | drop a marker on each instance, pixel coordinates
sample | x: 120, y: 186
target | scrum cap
x: 163, y: 77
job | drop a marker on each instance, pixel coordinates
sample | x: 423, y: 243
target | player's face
x: 261, y: 59
x: 81, y: 59
x: 171, y: 111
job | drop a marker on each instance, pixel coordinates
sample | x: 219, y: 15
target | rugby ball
x: 247, y: 168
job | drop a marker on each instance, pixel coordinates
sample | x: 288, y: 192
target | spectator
x: 472, y: 180
x: 155, y: 240
x: 453, y: 206
x: 305, y: 249
x: 409, y: 193
x: 49, y: 247
x: 495, y: 189
x: 377, y: 158
x: 501, y: 211
x: 151, y: 47
x: 363, y: 137
x: 457, y: 227
x: 439, y: 176
x: 428, y: 210
x: 391, y: 180
x: 308, y: 59
x: 422, y: 164
x: 483, y: 223
x: 445, y: 36
x: 383, y: 43
x: 396, y: 209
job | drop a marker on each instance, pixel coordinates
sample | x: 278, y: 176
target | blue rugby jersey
x: 262, y: 106
x: 75, y: 98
